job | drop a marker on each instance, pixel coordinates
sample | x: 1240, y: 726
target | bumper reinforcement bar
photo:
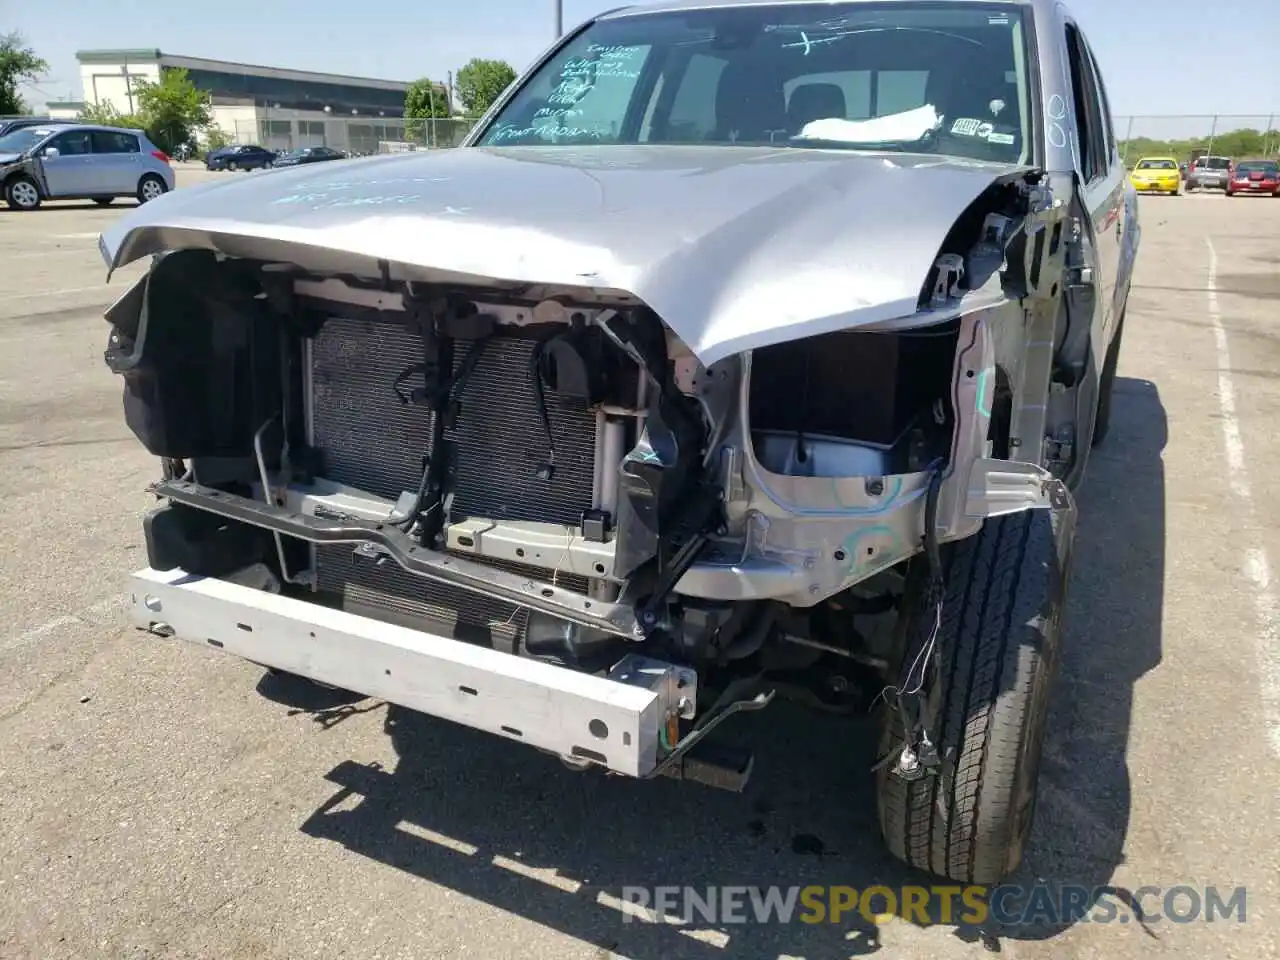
x: 614, y: 618
x: 614, y: 722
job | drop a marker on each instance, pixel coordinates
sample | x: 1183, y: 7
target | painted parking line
x: 101, y: 287
x: 1257, y: 565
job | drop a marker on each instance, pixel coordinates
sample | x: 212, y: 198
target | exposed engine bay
x: 551, y: 473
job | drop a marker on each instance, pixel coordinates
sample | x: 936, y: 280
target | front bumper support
x: 613, y: 721
x: 615, y: 618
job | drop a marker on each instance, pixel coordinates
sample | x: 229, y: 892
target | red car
x: 1255, y: 176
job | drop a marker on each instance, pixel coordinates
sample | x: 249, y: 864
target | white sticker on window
x: 1004, y: 138
x: 966, y: 127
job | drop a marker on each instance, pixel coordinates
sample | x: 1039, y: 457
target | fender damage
x: 887, y: 285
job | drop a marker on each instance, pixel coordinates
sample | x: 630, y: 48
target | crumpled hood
x: 8, y: 158
x: 734, y: 247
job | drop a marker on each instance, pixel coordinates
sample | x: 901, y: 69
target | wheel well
x: 20, y: 174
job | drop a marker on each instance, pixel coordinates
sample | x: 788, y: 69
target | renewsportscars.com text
x: 1008, y: 904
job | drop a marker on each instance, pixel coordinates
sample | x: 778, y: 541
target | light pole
x: 559, y: 8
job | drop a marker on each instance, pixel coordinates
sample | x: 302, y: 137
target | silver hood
x: 734, y: 247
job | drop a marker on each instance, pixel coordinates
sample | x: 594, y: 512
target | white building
x: 277, y: 108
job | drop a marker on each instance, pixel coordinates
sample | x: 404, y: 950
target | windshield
x: 23, y: 139
x: 1157, y: 165
x: 944, y: 78
x: 1263, y: 167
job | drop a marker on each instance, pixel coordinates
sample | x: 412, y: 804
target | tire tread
x: 996, y: 642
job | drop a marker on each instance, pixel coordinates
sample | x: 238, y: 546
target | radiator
x: 369, y: 439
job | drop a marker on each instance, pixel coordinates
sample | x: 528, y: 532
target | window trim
x: 53, y: 142
x: 1091, y: 142
x: 1108, y: 124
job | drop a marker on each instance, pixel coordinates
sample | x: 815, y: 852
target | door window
x: 108, y: 141
x: 73, y: 143
x: 1090, y: 139
x: 1108, y: 126
x: 693, y: 114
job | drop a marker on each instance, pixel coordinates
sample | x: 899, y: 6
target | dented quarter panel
x: 734, y: 247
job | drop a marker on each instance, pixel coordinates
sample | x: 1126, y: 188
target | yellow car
x: 1158, y: 174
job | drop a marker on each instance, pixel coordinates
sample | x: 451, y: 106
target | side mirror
x: 49, y: 152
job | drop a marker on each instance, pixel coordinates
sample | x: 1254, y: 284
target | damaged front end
x: 403, y: 479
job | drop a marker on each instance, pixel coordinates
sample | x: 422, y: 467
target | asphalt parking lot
x: 157, y: 800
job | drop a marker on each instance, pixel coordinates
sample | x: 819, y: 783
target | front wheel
x: 21, y: 193
x: 233, y: 166
x: 997, y: 654
x: 150, y: 187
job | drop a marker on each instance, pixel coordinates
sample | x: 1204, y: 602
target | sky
x: 1158, y: 57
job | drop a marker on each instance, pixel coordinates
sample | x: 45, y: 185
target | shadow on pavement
x: 1114, y: 637
x: 73, y: 206
x: 515, y: 829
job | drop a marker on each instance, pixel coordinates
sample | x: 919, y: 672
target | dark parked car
x: 240, y: 157
x: 9, y: 124
x: 1259, y: 177
x: 308, y: 155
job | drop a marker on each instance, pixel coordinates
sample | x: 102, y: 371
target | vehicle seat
x: 814, y: 101
x: 969, y: 92
x: 749, y: 107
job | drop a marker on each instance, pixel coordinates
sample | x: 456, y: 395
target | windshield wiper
x: 888, y: 146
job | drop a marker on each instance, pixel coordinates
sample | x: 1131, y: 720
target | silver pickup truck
x: 744, y: 350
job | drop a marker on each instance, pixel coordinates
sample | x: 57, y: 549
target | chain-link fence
x: 354, y: 136
x: 1229, y: 135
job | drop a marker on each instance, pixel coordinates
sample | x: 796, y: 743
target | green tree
x: 173, y: 110
x: 18, y: 65
x: 481, y: 82
x: 425, y: 99
x: 1238, y: 144
x: 216, y: 138
x: 107, y: 115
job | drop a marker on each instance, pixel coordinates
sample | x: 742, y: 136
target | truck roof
x: 675, y: 5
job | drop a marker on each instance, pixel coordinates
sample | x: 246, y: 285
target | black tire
x: 997, y: 654
x: 103, y: 201
x: 148, y: 187
x: 232, y: 166
x: 1106, y: 386
x: 21, y: 193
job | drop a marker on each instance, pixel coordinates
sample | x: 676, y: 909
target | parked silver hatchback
x: 80, y: 162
